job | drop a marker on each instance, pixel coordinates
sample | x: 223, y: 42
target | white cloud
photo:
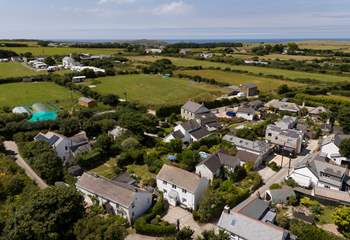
x: 176, y: 8
x: 115, y: 1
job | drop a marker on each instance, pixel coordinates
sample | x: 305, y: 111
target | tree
x: 50, y: 61
x: 100, y: 228
x: 110, y: 99
x: 175, y: 146
x: 342, y: 220
x: 238, y: 174
x: 185, y: 234
x: 69, y: 126
x: 344, y: 119
x: 48, y: 214
x: 344, y: 148
x: 283, y: 89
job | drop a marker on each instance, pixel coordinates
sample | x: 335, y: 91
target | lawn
x: 186, y: 62
x: 14, y: 94
x: 155, y: 90
x: 15, y: 69
x: 141, y: 171
x: 50, y: 51
x: 107, y: 169
x: 264, y: 84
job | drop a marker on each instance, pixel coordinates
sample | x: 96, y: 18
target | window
x: 133, y: 205
x: 269, y: 134
x: 165, y: 182
x: 276, y: 138
x: 184, y: 190
x: 173, y: 186
x: 184, y: 200
x: 165, y: 191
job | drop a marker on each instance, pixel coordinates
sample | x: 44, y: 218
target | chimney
x: 227, y: 209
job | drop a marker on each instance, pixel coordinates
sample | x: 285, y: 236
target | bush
x: 275, y: 186
x: 274, y: 166
x: 150, y: 223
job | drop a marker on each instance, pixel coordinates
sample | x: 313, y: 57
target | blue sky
x: 174, y: 19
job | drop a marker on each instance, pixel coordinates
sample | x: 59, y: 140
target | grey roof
x: 215, y: 161
x: 113, y: 191
x: 320, y: 168
x: 334, y: 138
x: 249, y: 85
x: 207, y: 118
x: 247, y: 110
x: 281, y: 195
x: 257, y: 146
x: 200, y: 133
x: 289, y: 120
x: 42, y: 138
x: 283, y: 106
x: 255, y: 209
x: 190, y: 125
x: 249, y: 228
x: 178, y: 134
x: 124, y: 178
x: 194, y: 107
x: 180, y: 177
x: 245, y: 156
x: 291, y: 133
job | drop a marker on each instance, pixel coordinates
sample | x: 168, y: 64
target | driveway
x: 11, y: 146
x: 186, y: 219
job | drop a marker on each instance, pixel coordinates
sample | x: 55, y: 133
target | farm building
x: 87, y: 102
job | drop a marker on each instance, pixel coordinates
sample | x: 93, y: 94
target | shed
x: 87, y: 102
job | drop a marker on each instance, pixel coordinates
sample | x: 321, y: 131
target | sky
x: 174, y: 19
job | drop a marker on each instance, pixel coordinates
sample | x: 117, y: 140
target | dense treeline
x: 205, y: 45
x: 7, y: 53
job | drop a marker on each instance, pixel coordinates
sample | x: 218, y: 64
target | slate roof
x: 249, y: 85
x: 194, y: 107
x: 178, y: 134
x: 283, y: 106
x: 215, y: 161
x: 245, y: 156
x: 281, y: 195
x: 113, y: 191
x: 249, y: 228
x: 179, y: 177
x: 247, y: 110
x: 319, y: 168
x: 190, y: 125
x: 334, y: 138
x: 257, y: 146
x: 255, y: 209
x: 291, y: 133
x: 200, y: 133
x: 50, y: 137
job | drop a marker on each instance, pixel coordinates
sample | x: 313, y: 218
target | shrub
x: 275, y: 186
x: 274, y: 166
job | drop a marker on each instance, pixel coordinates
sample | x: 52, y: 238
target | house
x: 116, y: 132
x: 316, y: 111
x: 82, y: 68
x: 258, y: 209
x: 315, y: 171
x: 206, y: 55
x: 254, y: 152
x: 87, y: 102
x: 330, y: 148
x: 181, y: 187
x: 242, y: 227
x: 185, y: 51
x: 246, y: 113
x: 255, y: 62
x: 121, y: 199
x: 287, y: 139
x: 67, y: 148
x: 191, y: 109
x: 214, y: 165
x: 20, y: 110
x: 78, y: 79
x: 287, y: 122
x: 69, y: 62
x: 153, y: 51
x: 283, y: 106
x: 281, y: 195
x: 249, y: 89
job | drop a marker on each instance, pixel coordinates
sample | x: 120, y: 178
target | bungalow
x: 181, y: 187
x: 87, y: 102
x: 283, y: 106
x: 67, y: 148
x: 315, y: 171
x: 153, y: 51
x: 121, y: 199
x: 246, y: 226
x: 330, y: 148
x: 213, y: 166
x: 246, y: 113
x: 191, y: 109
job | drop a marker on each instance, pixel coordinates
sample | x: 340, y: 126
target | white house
x: 116, y: 132
x: 181, y: 187
x: 67, y: 148
x: 213, y: 166
x: 314, y: 171
x: 330, y: 148
x: 69, y: 62
x: 246, y: 113
x: 287, y: 122
x: 120, y: 199
x: 153, y: 51
x: 20, y: 110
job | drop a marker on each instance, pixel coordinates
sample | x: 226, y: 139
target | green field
x: 107, y: 169
x: 50, y: 51
x: 155, y: 90
x: 14, y: 94
x: 264, y: 84
x: 15, y: 69
x: 252, y: 69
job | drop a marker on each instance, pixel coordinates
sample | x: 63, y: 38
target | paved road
x: 12, y: 146
x: 279, y: 176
